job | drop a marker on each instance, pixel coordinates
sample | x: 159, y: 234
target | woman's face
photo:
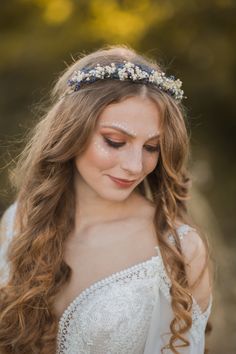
x: 124, y: 145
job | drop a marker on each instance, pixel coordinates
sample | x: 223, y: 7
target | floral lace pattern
x: 113, y: 315
x: 182, y: 231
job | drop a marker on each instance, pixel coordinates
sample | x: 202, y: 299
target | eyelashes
x: 116, y: 145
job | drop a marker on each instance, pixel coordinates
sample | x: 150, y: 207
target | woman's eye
x: 151, y: 148
x: 116, y: 145
x: 112, y: 143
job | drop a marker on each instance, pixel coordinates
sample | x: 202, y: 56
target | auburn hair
x: 43, y: 180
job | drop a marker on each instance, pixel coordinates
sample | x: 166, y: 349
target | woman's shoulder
x: 190, y: 239
x: 195, y: 255
x: 183, y: 230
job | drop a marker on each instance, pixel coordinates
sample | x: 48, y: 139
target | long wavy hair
x: 43, y: 180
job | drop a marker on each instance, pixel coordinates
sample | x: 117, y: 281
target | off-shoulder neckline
x: 116, y: 274
x: 105, y: 280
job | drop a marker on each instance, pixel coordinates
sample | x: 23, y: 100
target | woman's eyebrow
x: 131, y: 135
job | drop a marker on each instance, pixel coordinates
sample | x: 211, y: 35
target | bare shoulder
x: 191, y: 240
x: 195, y: 253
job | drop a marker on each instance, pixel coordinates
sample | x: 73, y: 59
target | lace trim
x: 182, y: 231
x: 141, y: 270
x: 199, y: 318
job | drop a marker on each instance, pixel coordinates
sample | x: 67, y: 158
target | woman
x: 104, y: 258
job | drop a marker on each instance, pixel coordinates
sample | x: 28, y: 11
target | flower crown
x: 127, y: 71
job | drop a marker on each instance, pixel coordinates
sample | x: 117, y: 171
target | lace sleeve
x: 159, y: 331
x: 6, y: 235
x: 194, y: 253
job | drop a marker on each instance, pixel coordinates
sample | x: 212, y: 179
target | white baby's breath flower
x: 128, y: 71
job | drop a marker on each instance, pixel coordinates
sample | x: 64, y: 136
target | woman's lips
x: 122, y: 182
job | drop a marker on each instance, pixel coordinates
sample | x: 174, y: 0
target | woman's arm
x: 194, y: 253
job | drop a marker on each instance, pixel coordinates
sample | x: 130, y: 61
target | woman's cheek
x: 103, y: 152
x: 151, y: 163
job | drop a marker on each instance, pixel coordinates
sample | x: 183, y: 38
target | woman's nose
x: 132, y: 161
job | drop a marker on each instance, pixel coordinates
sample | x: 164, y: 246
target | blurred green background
x: 195, y: 40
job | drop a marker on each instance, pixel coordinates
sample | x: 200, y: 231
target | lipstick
x: 121, y: 182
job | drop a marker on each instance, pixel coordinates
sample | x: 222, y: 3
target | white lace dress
x: 128, y: 312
